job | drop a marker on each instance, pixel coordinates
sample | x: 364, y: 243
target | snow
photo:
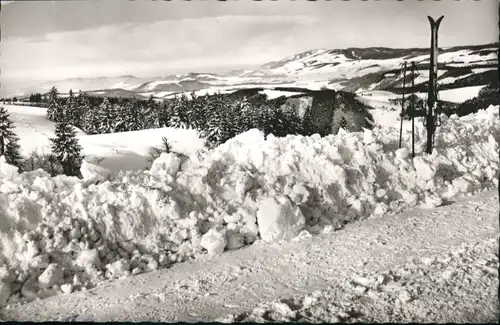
x: 279, y: 218
x: 50, y: 276
x: 449, y: 80
x: 272, y: 94
x: 214, y: 241
x: 465, y: 57
x: 94, y: 173
x: 248, y: 188
x: 457, y: 95
x: 315, y: 277
x: 460, y: 95
x: 482, y: 70
x: 385, y: 113
x: 423, y: 76
x: 168, y: 163
x: 7, y: 171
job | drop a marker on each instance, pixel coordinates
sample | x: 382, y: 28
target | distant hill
x: 352, y: 69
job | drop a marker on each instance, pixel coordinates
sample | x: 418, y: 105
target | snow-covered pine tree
x: 232, y: 118
x: 91, y: 121
x: 176, y: 109
x: 212, y: 130
x: 184, y: 108
x: 83, y: 107
x: 246, y: 115
x: 66, y: 149
x: 121, y: 116
x: 151, y: 114
x: 54, y: 110
x: 71, y: 109
x: 13, y: 151
x: 107, y: 117
x: 165, y: 113
x: 194, y: 112
x: 224, y: 119
x: 201, y: 111
x: 134, y: 118
x: 9, y: 142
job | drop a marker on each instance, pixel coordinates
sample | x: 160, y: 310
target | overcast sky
x: 63, y: 39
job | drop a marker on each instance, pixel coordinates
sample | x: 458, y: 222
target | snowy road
x: 429, y: 265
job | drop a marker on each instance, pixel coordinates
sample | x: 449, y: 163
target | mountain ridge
x: 316, y: 68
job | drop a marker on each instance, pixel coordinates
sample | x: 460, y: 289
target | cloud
x: 159, y: 46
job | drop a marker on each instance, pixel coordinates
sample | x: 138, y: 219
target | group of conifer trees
x: 217, y: 117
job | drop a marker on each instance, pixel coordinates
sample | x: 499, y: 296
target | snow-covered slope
x: 88, y: 84
x: 458, y: 95
x: 63, y: 233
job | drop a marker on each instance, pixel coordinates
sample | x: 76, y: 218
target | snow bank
x: 62, y: 233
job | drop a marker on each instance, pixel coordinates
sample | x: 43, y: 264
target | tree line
x: 217, y: 117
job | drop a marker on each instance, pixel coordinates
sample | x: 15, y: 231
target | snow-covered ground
x: 272, y: 94
x: 458, y: 95
x: 385, y: 113
x: 66, y: 234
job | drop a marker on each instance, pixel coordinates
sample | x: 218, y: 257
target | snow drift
x: 63, y: 233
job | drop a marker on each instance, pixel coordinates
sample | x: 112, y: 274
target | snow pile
x: 63, y: 234
x: 94, y: 173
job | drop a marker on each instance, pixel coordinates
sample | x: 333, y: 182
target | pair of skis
x: 432, y: 92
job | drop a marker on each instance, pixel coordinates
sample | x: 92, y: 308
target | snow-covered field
x: 66, y: 234
x: 385, y: 113
x: 272, y: 94
x: 458, y: 95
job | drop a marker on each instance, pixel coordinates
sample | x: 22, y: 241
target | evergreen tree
x: 201, y: 111
x: 121, y: 116
x: 213, y: 130
x: 184, y: 108
x: 66, y: 149
x: 9, y: 142
x: 83, y: 106
x: 176, y: 119
x: 151, y: 119
x: 133, y: 118
x: 71, y: 109
x: 107, y: 117
x: 91, y: 121
x: 165, y: 113
x: 54, y: 110
x: 195, y: 116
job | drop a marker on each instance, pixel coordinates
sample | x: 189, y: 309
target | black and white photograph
x: 249, y: 161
